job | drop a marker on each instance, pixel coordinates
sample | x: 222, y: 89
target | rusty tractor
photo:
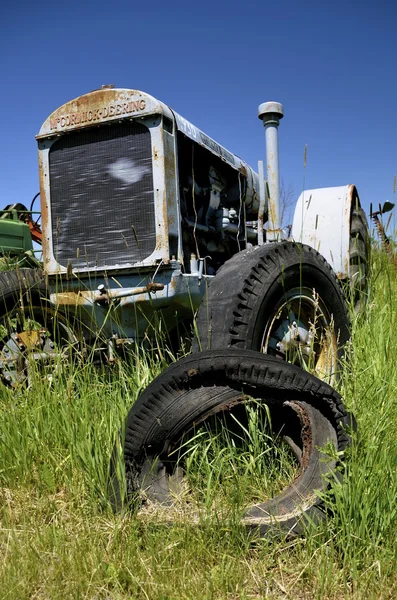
x: 146, y: 219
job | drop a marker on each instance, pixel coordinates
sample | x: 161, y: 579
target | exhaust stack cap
x: 270, y: 112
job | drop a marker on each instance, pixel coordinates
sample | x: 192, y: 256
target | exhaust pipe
x: 271, y: 113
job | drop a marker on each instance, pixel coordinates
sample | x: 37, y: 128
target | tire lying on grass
x: 282, y: 299
x: 307, y: 412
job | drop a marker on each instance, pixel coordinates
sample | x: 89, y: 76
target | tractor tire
x: 309, y: 412
x: 31, y: 330
x: 359, y: 251
x: 282, y: 299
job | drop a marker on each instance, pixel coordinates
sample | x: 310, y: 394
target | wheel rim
x: 32, y: 336
x: 301, y: 331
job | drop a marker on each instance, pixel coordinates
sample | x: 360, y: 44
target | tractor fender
x: 322, y: 220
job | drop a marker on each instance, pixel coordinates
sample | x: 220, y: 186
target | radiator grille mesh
x: 102, y: 197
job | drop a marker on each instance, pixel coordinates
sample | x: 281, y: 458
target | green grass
x: 229, y: 462
x: 59, y: 538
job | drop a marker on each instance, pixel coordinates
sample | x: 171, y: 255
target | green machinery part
x: 15, y: 236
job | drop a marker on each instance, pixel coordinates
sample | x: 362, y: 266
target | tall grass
x: 60, y: 539
x: 230, y: 461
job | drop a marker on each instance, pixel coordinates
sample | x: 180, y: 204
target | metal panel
x: 102, y: 197
x: 204, y: 140
x: 322, y: 220
x: 98, y: 107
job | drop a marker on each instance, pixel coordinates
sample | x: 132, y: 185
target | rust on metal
x: 30, y: 338
x: 44, y: 209
x: 171, y: 199
x: 277, y: 233
x: 70, y: 298
x: 94, y: 108
x: 105, y: 296
x: 383, y: 236
x: 306, y: 432
x: 243, y: 170
x: 154, y: 287
x: 162, y: 240
x: 35, y: 231
x: 155, y: 155
x: 272, y: 214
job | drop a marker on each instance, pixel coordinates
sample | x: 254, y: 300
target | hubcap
x: 301, y: 332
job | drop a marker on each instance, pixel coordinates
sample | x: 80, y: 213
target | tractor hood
x: 116, y: 104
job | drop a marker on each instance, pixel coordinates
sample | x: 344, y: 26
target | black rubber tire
x: 23, y: 293
x: 196, y: 387
x: 248, y: 290
x: 359, y: 251
x: 20, y: 283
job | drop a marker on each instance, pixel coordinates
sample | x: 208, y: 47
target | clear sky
x: 333, y: 65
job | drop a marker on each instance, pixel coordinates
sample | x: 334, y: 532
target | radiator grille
x: 102, y: 198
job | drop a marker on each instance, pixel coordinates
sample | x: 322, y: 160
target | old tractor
x: 147, y: 220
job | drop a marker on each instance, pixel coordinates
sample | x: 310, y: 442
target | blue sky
x: 333, y: 65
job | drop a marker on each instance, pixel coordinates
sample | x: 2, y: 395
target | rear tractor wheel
x: 359, y: 261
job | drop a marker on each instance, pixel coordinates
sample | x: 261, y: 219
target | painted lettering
x: 131, y: 106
